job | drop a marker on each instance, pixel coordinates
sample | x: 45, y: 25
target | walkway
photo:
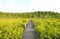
x: 29, y: 32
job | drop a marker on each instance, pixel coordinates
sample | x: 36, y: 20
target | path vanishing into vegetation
x: 29, y: 32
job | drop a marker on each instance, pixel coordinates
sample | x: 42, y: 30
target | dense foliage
x: 46, y: 24
x: 37, y: 14
x: 12, y: 28
x: 47, y: 28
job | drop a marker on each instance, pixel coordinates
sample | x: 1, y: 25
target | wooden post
x: 25, y: 26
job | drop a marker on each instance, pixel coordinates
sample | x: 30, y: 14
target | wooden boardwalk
x: 29, y: 32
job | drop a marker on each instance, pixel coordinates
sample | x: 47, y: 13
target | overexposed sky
x: 29, y: 5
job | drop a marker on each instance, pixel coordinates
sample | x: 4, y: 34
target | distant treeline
x: 37, y: 14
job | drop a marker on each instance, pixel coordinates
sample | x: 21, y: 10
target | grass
x: 48, y: 28
x: 12, y: 28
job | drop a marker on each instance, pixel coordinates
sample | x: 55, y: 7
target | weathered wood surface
x: 29, y: 32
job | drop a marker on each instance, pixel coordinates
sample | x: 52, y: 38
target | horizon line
x: 27, y: 11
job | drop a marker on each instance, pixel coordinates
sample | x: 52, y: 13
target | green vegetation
x: 38, y: 14
x: 12, y: 28
x: 46, y: 24
x: 47, y: 28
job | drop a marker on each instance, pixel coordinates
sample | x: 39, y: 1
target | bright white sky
x: 29, y: 5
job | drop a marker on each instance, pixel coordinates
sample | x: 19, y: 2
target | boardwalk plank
x: 29, y: 32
